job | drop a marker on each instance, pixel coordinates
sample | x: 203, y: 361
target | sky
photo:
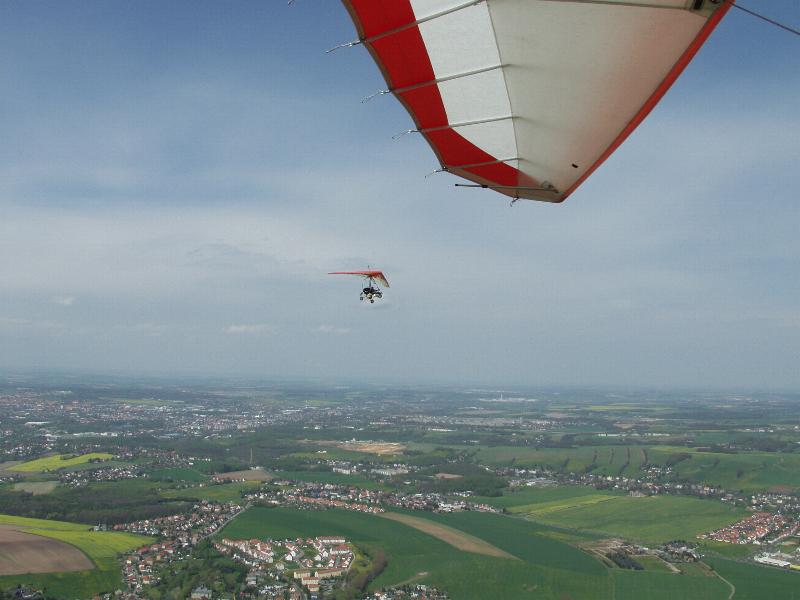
x: 177, y: 178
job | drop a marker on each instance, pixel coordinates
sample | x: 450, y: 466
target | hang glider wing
x: 376, y: 275
x: 529, y: 97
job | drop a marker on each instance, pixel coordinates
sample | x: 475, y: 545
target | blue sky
x: 176, y: 179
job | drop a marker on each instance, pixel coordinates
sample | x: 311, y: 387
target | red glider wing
x: 377, y: 275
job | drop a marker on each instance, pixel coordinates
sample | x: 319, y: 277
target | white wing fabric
x: 529, y: 97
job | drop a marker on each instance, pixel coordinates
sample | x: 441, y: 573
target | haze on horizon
x: 177, y: 179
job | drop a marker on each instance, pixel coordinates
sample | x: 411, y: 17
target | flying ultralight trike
x: 371, y: 291
x: 529, y: 97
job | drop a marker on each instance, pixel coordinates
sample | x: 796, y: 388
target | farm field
x: 543, y: 567
x: 746, y: 471
x: 223, y: 492
x: 177, y: 474
x: 734, y: 551
x: 650, y: 519
x: 327, y: 477
x: 536, y: 495
x: 379, y: 448
x: 774, y: 471
x: 52, y: 463
x: 563, y: 572
x: 603, y: 460
x: 22, y: 552
x: 758, y: 583
x: 653, y: 585
x: 454, y: 537
x: 541, y: 509
x: 100, y: 547
x: 654, y: 563
x: 247, y: 475
x: 35, y: 487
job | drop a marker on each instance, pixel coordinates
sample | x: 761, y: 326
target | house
x: 201, y: 593
x: 302, y: 574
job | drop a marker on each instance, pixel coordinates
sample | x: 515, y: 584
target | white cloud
x: 51, y: 327
x: 146, y: 329
x: 249, y: 329
x: 8, y: 321
x: 330, y: 329
x: 63, y: 300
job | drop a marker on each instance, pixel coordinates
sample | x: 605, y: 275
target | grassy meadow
x: 652, y: 519
x: 603, y: 512
x: 221, y: 492
x: 758, y: 583
x: 655, y: 585
x: 748, y: 471
x: 36, y: 488
x: 512, y: 498
x: 177, y: 474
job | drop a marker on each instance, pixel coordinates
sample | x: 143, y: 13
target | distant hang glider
x: 371, y: 291
x: 529, y: 97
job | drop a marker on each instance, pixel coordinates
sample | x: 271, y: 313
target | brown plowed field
x: 454, y: 537
x: 247, y: 475
x: 26, y: 553
x: 379, y: 448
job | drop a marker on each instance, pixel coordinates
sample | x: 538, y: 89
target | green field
x: 735, y: 551
x: 547, y: 568
x: 550, y: 567
x: 542, y: 509
x: 653, y: 563
x: 747, y: 471
x: 536, y: 495
x: 223, y: 492
x: 753, y: 582
x: 58, y: 461
x: 177, y: 474
x: 650, y: 519
x: 652, y: 585
x: 602, y: 460
x: 100, y: 546
x: 35, y: 487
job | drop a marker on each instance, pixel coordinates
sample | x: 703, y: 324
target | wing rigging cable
x: 529, y: 97
x: 753, y: 13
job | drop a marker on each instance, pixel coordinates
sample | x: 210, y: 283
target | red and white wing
x: 376, y: 275
x: 529, y: 97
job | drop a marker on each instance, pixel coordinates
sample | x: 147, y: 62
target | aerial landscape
x: 399, y: 300
x: 166, y: 489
